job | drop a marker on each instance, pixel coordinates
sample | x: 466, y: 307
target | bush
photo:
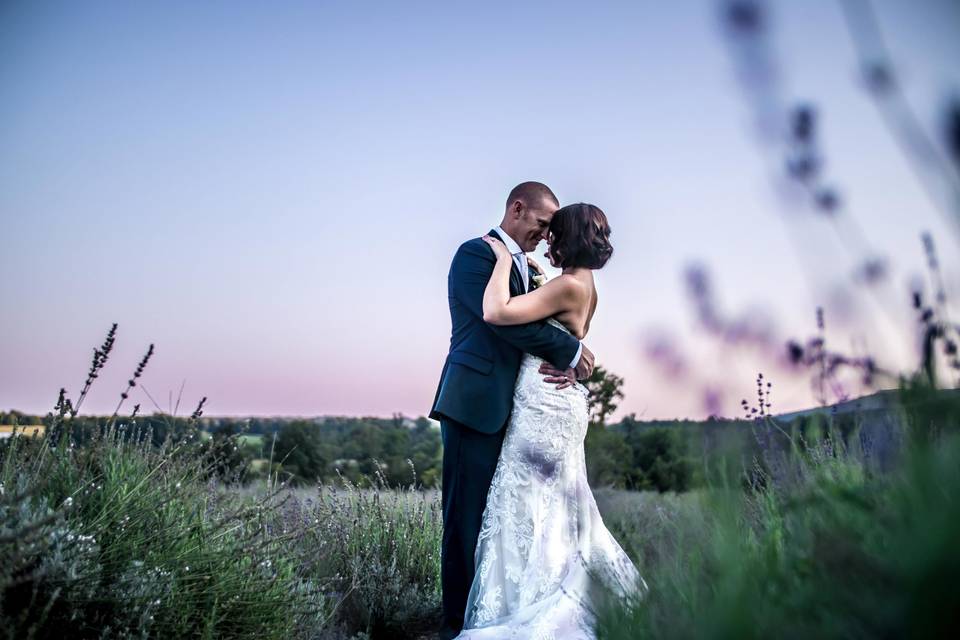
x: 659, y: 460
x: 608, y: 457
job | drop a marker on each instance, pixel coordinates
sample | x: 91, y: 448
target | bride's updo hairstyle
x: 580, y: 237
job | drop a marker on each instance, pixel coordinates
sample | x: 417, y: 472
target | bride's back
x: 577, y: 318
x: 579, y: 239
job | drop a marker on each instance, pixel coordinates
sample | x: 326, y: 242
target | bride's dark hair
x: 580, y: 237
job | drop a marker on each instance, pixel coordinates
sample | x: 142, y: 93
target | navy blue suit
x: 473, y: 404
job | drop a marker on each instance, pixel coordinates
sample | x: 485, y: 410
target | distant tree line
x: 8, y: 418
x: 661, y: 455
x: 358, y: 448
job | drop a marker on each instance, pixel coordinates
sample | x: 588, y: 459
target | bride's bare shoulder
x: 574, y: 285
x: 567, y: 288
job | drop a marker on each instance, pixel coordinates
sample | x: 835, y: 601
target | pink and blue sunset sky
x: 272, y: 192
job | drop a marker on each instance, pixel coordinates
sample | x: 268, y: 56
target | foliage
x: 357, y: 448
x: 380, y: 549
x: 608, y: 457
x: 658, y: 460
x: 308, y: 450
x: 630, y: 456
x: 606, y: 390
x: 835, y: 551
x: 105, y: 533
x: 118, y: 538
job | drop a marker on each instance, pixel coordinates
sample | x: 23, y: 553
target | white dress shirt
x: 520, y: 259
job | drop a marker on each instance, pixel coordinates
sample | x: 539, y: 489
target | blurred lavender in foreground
x: 789, y: 133
x: 748, y: 329
x: 814, y: 356
x: 935, y: 321
x: 951, y: 130
x: 930, y: 161
x: 746, y: 23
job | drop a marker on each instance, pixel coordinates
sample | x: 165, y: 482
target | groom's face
x: 534, y: 224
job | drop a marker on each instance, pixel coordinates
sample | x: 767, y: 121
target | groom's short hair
x: 531, y: 193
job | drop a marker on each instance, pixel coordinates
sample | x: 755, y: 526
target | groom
x: 475, y: 394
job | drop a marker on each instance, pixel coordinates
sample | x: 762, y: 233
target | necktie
x: 521, y: 260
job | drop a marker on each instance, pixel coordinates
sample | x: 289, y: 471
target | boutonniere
x: 539, y: 280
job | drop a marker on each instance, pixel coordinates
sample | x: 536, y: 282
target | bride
x: 545, y: 561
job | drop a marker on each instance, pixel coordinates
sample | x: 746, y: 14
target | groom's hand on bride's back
x: 585, y: 365
x: 567, y: 377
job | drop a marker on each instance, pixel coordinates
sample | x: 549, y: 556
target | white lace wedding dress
x: 544, y: 558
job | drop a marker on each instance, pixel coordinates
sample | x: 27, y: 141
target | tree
x: 608, y: 458
x: 300, y: 448
x: 605, y: 394
x: 659, y: 459
x: 608, y: 455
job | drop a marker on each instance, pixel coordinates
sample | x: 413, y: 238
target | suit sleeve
x: 471, y: 269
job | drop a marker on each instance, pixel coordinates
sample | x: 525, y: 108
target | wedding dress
x: 545, y: 561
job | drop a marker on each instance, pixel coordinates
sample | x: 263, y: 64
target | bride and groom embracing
x: 525, y: 553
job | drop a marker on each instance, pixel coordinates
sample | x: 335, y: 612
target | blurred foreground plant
x: 835, y: 552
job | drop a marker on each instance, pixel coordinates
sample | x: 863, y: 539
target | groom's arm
x: 471, y: 269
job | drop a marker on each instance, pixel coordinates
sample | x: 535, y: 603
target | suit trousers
x: 469, y: 461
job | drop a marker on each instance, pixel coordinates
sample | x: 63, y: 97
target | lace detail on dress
x: 544, y: 557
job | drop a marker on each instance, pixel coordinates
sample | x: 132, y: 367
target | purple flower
x: 878, y: 77
x: 827, y: 200
x: 803, y: 120
x: 952, y: 130
x: 744, y: 16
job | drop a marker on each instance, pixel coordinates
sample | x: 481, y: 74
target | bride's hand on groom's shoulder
x: 499, y: 249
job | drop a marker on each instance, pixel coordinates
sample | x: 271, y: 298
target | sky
x: 271, y: 193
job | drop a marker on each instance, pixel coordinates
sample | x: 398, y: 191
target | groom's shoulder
x: 473, y: 247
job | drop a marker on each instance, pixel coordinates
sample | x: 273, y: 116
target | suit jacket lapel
x: 516, y: 280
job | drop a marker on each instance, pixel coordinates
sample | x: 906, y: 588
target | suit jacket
x: 476, y: 384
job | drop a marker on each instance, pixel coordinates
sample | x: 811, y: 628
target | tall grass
x: 119, y: 539
x: 380, y: 548
x: 835, y: 551
x: 106, y: 534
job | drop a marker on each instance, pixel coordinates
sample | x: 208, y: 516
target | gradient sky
x: 272, y: 192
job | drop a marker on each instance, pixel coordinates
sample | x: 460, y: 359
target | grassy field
x: 254, y: 440
x: 838, y: 551
x: 120, y: 538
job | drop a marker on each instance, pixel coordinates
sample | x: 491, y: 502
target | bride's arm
x: 500, y: 309
x: 469, y: 275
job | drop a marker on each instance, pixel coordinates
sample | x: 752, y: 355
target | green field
x: 254, y: 440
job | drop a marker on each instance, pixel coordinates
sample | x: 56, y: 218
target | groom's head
x: 530, y: 207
